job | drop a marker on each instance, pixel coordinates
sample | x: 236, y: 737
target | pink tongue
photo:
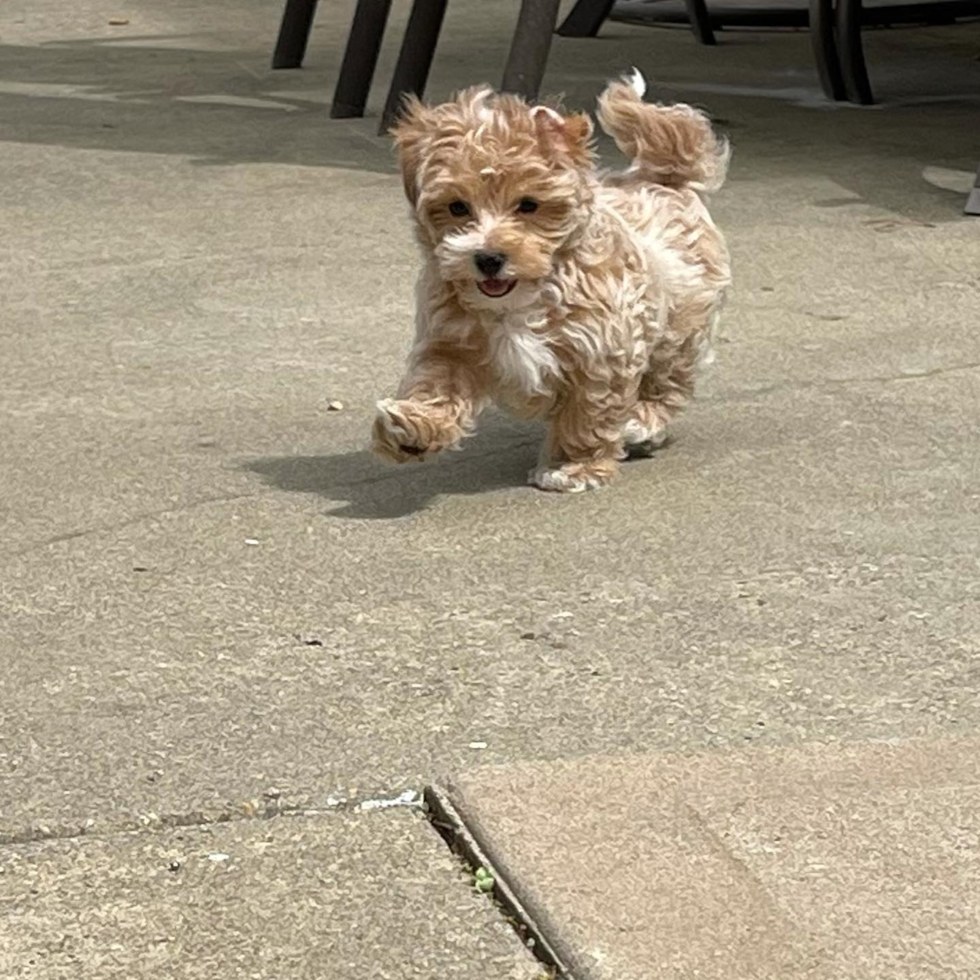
x: 495, y: 285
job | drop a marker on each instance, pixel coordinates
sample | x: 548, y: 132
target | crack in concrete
x: 129, y: 522
x: 832, y: 383
x: 241, y: 813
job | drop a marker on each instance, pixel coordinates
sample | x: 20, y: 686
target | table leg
x: 855, y: 71
x: 294, y: 32
x: 415, y: 57
x: 360, y: 58
x: 529, y: 48
x: 824, y: 45
x: 585, y: 18
x: 697, y: 12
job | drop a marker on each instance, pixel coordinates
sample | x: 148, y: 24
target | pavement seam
x: 466, y: 847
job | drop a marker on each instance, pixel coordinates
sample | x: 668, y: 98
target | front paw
x: 405, y: 430
x: 574, y: 477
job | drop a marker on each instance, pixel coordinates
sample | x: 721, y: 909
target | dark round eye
x: 458, y: 209
x: 527, y: 205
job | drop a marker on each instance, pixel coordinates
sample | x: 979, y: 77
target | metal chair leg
x: 415, y: 57
x: 697, y: 13
x: 360, y: 59
x: 855, y: 71
x: 824, y: 45
x: 294, y: 32
x: 973, y: 201
x: 529, y: 48
x: 585, y: 18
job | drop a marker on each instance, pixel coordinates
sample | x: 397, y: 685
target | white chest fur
x: 520, y: 355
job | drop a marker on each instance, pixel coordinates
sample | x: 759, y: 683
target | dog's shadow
x: 499, y: 456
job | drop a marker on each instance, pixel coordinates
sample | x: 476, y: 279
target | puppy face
x: 498, y: 188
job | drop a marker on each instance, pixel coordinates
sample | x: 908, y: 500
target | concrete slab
x: 336, y: 895
x: 209, y: 592
x: 185, y: 285
x: 838, y: 862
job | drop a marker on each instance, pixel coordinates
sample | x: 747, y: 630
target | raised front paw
x: 405, y: 430
x: 574, y: 477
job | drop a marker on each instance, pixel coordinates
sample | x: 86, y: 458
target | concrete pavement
x: 818, y: 862
x: 336, y: 895
x: 208, y: 589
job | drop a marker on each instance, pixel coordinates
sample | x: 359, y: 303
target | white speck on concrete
x: 408, y: 798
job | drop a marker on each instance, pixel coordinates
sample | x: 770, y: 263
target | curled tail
x: 673, y: 145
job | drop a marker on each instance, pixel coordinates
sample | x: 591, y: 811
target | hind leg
x: 645, y: 430
x: 665, y: 388
x: 667, y: 384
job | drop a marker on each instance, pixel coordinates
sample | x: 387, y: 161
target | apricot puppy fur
x: 553, y: 289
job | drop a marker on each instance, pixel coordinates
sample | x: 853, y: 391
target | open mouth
x: 496, y: 287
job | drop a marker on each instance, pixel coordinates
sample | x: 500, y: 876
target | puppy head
x: 498, y: 188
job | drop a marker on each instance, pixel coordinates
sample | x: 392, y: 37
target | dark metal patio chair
x: 523, y: 72
x: 835, y: 29
x: 835, y: 35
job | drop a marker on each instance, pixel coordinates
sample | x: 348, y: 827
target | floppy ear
x: 411, y: 134
x: 570, y: 135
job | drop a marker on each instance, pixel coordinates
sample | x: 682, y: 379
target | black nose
x: 489, y: 263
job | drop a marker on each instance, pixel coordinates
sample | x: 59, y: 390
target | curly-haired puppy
x: 555, y: 290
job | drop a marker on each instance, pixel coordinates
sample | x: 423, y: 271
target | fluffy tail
x: 671, y: 145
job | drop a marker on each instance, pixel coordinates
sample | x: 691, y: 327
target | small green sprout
x: 484, y: 881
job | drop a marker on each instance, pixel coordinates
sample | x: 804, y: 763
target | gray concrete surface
x: 813, y: 863
x: 335, y: 895
x: 207, y: 587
